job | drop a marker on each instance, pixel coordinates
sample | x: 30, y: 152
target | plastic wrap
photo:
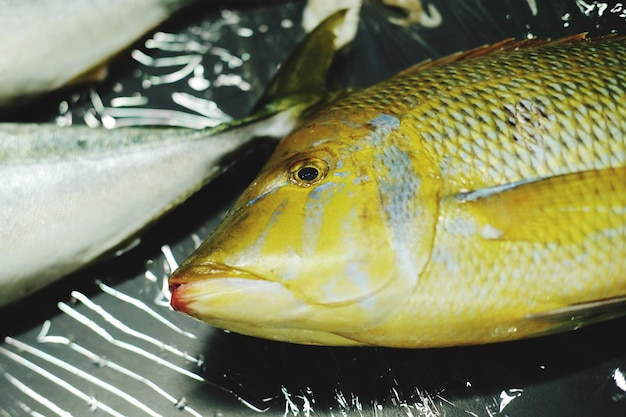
x: 104, y: 342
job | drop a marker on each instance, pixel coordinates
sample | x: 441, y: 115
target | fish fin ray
x: 508, y: 44
x: 581, y: 314
x: 305, y: 72
x: 544, y: 210
x: 299, y: 85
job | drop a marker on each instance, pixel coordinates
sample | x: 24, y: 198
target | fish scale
x: 490, y: 206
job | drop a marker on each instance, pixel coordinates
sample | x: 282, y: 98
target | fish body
x: 47, y: 44
x: 479, y: 198
x: 71, y: 194
x: 68, y: 195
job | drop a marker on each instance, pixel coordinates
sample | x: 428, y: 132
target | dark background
x: 579, y: 373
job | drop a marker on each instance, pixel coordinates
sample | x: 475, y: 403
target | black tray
x: 104, y: 342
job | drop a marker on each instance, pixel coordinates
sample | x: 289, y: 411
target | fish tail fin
x: 303, y: 77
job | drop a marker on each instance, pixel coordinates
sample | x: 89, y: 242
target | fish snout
x: 186, y: 281
x: 182, y: 278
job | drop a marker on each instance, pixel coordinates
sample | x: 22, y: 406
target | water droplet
x: 245, y: 32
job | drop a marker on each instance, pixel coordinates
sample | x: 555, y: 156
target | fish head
x: 315, y: 248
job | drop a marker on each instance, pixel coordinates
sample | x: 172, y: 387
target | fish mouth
x: 217, y: 293
x: 189, y: 284
x: 246, y: 303
x: 188, y: 274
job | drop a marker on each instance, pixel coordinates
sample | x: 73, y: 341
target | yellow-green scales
x: 473, y: 199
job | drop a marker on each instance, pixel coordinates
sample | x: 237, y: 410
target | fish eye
x: 308, y: 172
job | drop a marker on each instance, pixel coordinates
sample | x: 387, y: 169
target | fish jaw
x: 199, y: 290
x: 245, y: 303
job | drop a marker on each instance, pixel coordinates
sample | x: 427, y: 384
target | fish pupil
x: 308, y: 173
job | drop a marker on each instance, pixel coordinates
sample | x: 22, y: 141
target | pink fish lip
x: 186, y: 276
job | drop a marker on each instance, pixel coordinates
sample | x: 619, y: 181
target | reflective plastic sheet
x: 104, y: 341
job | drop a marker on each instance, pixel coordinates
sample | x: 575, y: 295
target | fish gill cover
x: 105, y: 342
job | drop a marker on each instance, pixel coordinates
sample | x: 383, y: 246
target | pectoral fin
x: 561, y: 209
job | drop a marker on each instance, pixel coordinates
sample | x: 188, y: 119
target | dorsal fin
x: 508, y: 44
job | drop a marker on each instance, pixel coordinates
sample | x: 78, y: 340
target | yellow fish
x: 478, y: 198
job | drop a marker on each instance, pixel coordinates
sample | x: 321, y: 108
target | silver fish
x: 69, y: 195
x: 46, y: 44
